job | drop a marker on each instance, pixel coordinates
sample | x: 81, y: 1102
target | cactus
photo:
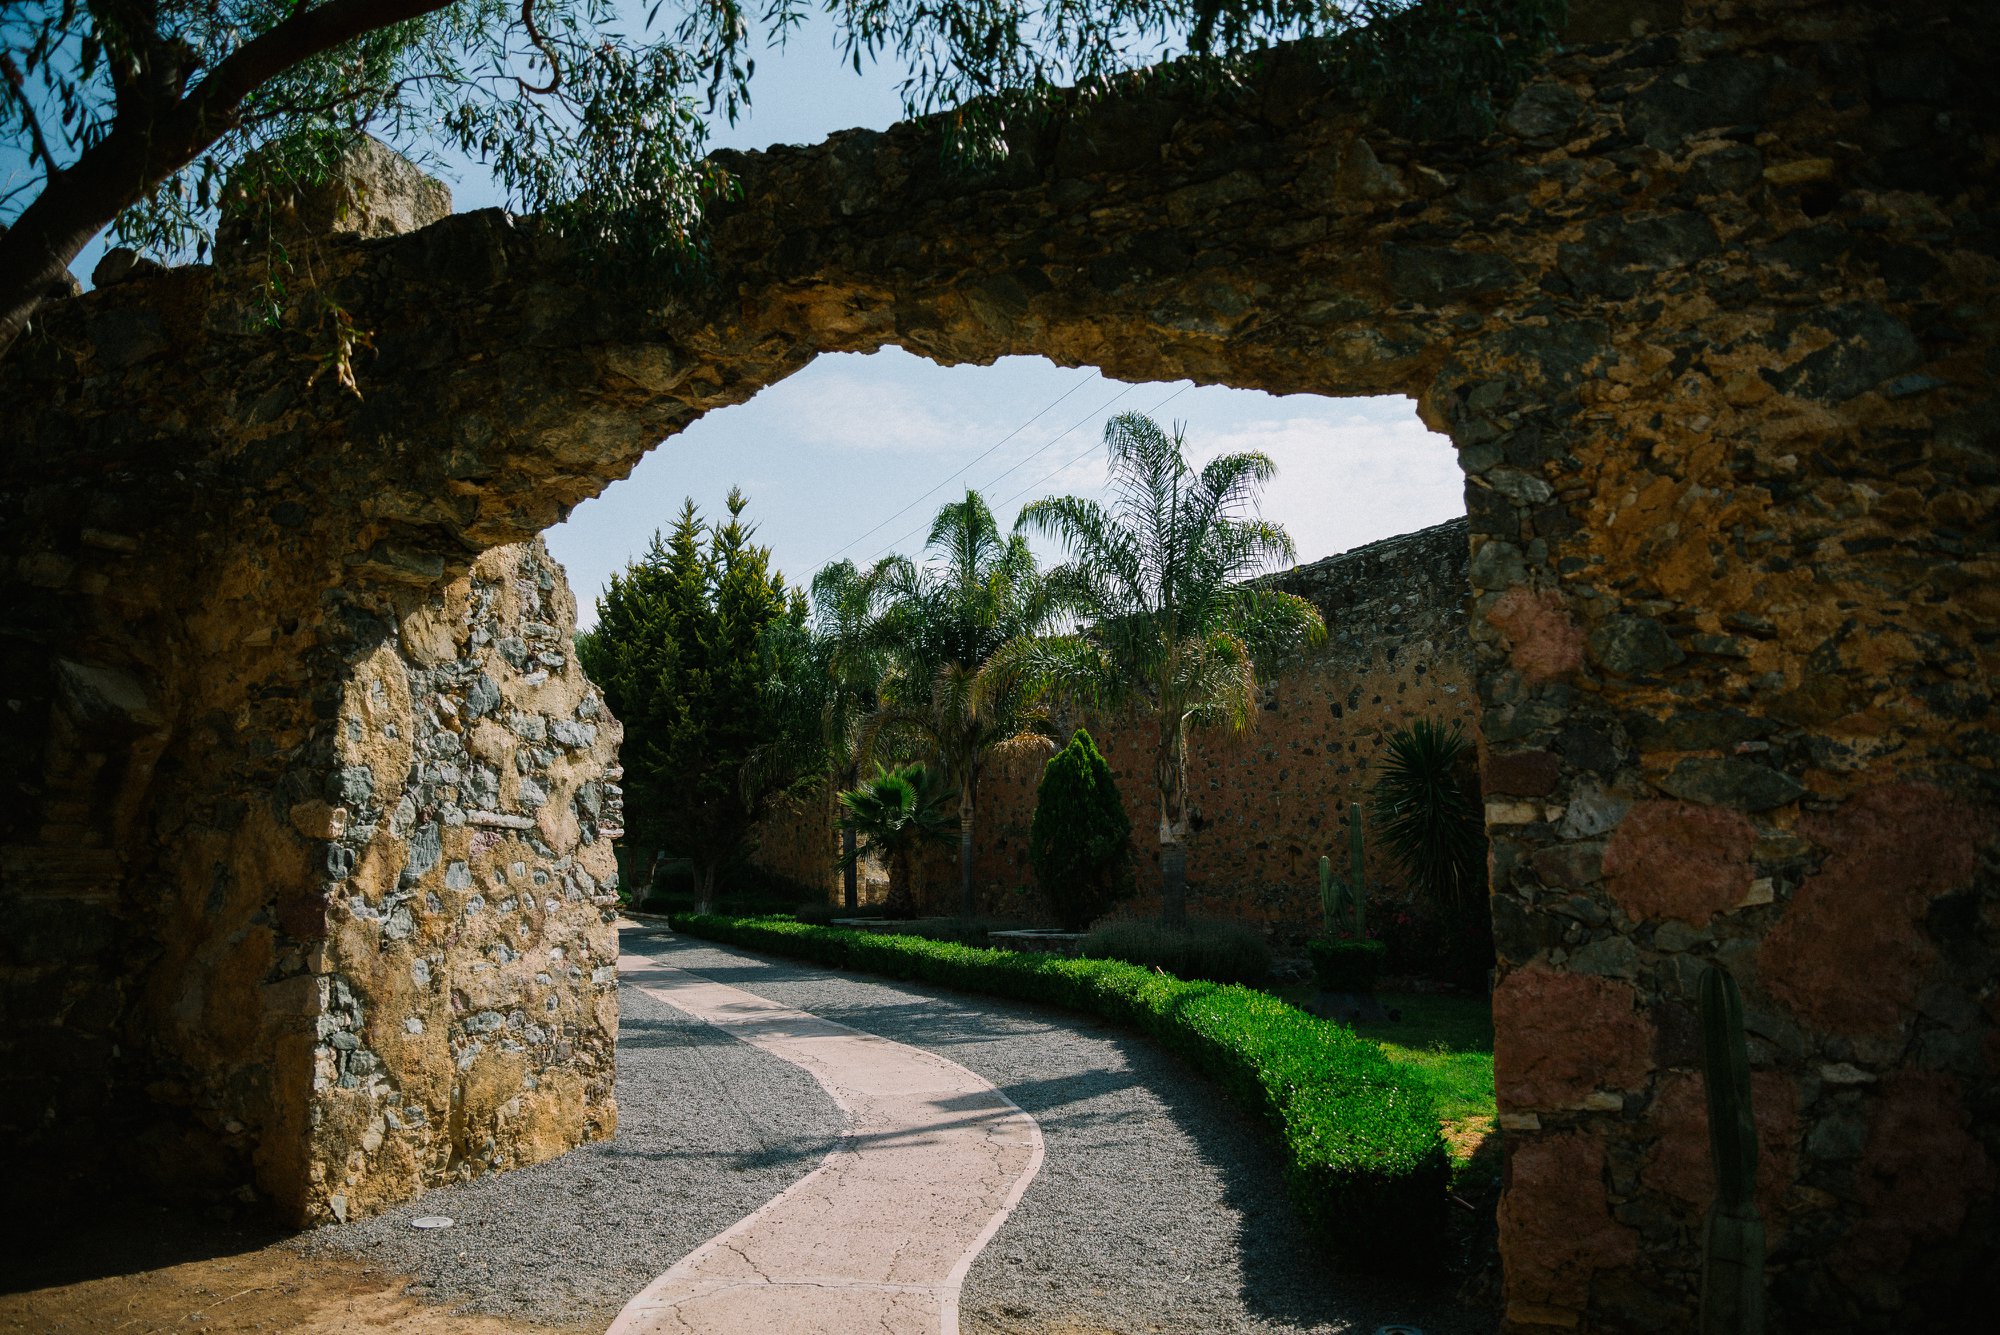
x: 1732, y: 1273
x: 1329, y: 896
x: 1354, y: 890
x: 1357, y: 884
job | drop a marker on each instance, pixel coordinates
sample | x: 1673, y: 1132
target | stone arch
x: 1703, y: 327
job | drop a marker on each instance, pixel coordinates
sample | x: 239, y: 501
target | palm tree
x: 940, y: 624
x: 897, y: 812
x: 1158, y: 580
x: 822, y: 671
x: 843, y: 602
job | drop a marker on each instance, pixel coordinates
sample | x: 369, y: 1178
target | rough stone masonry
x: 1709, y: 317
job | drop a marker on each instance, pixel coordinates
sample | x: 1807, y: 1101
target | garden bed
x: 1365, y: 1156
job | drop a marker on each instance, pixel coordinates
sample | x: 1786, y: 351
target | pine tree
x: 677, y: 653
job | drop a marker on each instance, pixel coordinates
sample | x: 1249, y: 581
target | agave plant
x: 1428, y: 816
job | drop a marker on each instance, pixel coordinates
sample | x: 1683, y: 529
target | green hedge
x: 1364, y: 1156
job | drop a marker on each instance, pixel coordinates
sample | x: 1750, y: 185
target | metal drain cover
x: 431, y: 1221
x: 1397, y: 1330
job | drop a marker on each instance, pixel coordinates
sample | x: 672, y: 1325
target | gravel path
x: 708, y: 1130
x: 1159, y: 1206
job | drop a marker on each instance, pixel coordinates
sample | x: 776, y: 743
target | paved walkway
x: 877, y: 1238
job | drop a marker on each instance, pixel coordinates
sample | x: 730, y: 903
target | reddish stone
x: 1520, y: 774
x: 1545, y: 642
x: 1921, y: 1172
x: 1679, y: 860
x: 1850, y: 954
x: 1680, y: 1164
x: 1559, y: 1036
x: 1556, y: 1228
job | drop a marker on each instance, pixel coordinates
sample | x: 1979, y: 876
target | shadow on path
x: 1161, y: 1205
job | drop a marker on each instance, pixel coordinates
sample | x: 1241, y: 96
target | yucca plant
x: 1427, y: 814
x: 896, y: 813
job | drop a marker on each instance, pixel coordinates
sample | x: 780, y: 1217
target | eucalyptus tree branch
x: 540, y: 44
x: 150, y: 140
x: 32, y: 122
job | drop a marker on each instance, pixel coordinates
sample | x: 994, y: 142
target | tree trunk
x: 900, y: 903
x: 704, y: 899
x: 968, y: 906
x: 850, y: 872
x: 1170, y: 772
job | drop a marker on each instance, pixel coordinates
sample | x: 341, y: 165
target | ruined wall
x: 796, y: 839
x: 1265, y: 803
x: 467, y: 986
x: 1708, y: 316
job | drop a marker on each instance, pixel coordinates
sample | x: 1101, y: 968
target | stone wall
x: 467, y: 986
x: 797, y: 841
x: 1707, y: 315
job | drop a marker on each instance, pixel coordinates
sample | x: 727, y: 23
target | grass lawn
x: 1450, y: 1039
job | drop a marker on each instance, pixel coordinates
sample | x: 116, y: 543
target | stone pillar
x: 466, y: 986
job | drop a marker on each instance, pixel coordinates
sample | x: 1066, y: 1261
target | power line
x: 1094, y: 374
x: 1087, y: 453
x: 1066, y: 432
x: 1050, y: 443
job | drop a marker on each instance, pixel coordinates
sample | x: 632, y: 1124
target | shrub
x: 964, y: 931
x: 1364, y: 1158
x: 1343, y: 964
x: 1079, y: 842
x: 896, y: 813
x: 1220, y: 952
x: 817, y: 912
x: 1427, y: 809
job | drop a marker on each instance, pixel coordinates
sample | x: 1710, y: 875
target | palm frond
x: 1075, y: 669
x: 1215, y: 680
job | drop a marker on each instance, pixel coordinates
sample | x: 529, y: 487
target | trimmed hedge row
x: 1364, y: 1157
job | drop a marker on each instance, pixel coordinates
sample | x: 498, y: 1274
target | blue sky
x: 852, y: 456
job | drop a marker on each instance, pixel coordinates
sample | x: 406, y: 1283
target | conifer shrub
x: 1079, y: 842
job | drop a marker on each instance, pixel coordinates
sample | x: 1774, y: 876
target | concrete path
x: 879, y: 1237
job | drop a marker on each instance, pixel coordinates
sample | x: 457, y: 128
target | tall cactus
x: 1329, y: 896
x: 1732, y: 1273
x: 1354, y: 890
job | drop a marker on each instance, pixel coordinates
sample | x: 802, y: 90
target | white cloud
x: 854, y: 454
x: 1348, y: 478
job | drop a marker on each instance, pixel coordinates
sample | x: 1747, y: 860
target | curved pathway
x: 1160, y: 1209
x: 877, y: 1238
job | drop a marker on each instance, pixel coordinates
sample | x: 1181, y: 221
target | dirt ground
x: 139, y: 1272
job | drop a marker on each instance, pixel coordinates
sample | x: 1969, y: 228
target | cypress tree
x: 677, y: 653
x: 1079, y: 841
